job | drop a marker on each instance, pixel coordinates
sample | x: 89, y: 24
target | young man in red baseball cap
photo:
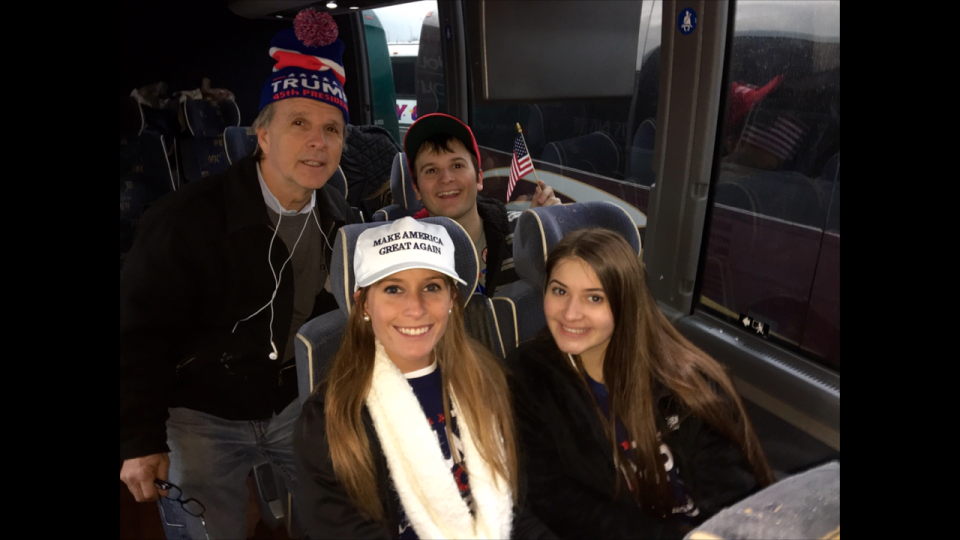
x: 445, y: 162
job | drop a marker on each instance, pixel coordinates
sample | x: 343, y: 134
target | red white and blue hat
x: 309, y: 63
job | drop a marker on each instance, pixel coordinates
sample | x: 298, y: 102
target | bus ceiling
x: 288, y: 9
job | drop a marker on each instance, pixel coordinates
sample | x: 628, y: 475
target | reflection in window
x: 774, y: 241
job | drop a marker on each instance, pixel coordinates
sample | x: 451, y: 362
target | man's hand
x: 138, y: 474
x: 544, y: 196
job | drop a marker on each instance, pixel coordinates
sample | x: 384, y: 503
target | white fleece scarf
x: 427, y: 488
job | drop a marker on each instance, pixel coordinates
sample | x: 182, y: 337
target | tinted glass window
x: 586, y: 149
x: 431, y: 90
x: 773, y: 252
x: 404, y: 76
x: 412, y: 35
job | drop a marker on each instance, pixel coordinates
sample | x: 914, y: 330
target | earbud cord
x: 325, y: 239
x: 277, y: 279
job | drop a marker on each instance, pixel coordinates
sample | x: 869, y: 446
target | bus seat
x: 536, y: 136
x: 319, y: 339
x: 145, y: 173
x: 646, y: 134
x: 208, y: 119
x: 803, y: 506
x: 405, y: 202
x: 339, y: 182
x: 239, y: 142
x: 785, y: 195
x: 492, y: 322
x: 203, y: 153
x: 367, y: 162
x: 528, y: 305
x: 831, y: 171
x: 733, y: 193
x: 640, y: 167
x: 596, y: 153
x: 538, y: 231
x: 317, y: 343
x: 508, y: 324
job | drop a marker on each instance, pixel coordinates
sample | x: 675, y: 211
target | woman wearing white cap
x: 410, y: 406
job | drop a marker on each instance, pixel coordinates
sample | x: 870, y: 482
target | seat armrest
x: 317, y: 344
x: 803, y: 506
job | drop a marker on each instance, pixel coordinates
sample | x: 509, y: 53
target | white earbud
x: 277, y: 277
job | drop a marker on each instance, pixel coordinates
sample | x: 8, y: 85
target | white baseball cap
x: 404, y: 244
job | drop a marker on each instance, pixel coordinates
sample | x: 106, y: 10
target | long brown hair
x: 647, y: 354
x: 473, y: 374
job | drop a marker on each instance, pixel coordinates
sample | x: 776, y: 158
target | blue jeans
x: 210, y: 460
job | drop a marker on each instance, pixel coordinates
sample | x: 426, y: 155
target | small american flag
x: 521, y: 166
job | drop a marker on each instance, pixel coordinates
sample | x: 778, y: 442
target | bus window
x: 773, y: 250
x: 381, y: 75
x: 415, y: 78
x: 773, y: 244
x: 403, y: 59
x: 586, y: 149
x: 430, y: 82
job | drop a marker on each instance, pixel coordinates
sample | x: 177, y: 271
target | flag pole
x: 527, y: 148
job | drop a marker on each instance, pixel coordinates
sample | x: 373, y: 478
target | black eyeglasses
x: 191, y: 506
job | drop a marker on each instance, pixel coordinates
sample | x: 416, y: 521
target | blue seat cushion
x: 540, y: 229
x: 239, y: 142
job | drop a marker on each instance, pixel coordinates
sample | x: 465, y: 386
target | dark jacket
x: 499, y: 230
x: 198, y: 267
x: 325, y: 508
x: 571, y: 470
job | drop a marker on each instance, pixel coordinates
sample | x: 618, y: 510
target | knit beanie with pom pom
x: 309, y: 63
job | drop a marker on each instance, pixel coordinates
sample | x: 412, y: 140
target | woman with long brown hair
x: 628, y: 429
x: 411, y: 434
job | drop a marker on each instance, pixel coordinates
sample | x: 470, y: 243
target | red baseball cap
x: 436, y: 124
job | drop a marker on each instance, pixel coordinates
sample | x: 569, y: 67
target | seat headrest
x: 339, y: 182
x: 131, y: 118
x: 239, y: 142
x: 646, y: 135
x: 831, y: 171
x: 596, y: 153
x: 343, y: 280
x: 206, y: 119
x: 401, y: 185
x: 539, y: 230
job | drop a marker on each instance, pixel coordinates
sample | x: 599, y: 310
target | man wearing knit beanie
x: 223, y: 274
